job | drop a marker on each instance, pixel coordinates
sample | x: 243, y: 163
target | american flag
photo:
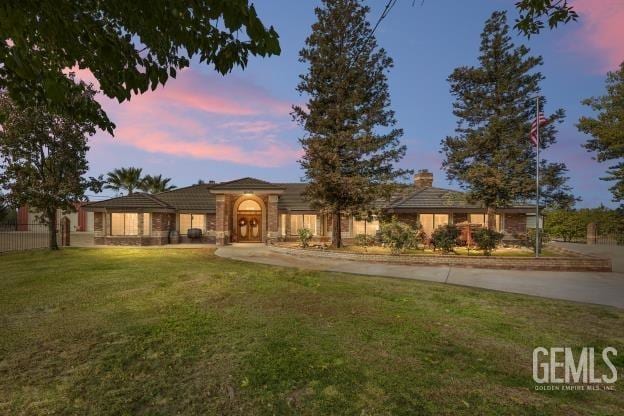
x: 542, y: 122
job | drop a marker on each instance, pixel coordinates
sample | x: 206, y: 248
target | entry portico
x: 246, y: 210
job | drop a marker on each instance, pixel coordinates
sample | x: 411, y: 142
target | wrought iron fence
x: 610, y: 239
x: 17, y: 236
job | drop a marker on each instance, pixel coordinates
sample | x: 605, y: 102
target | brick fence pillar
x: 592, y: 233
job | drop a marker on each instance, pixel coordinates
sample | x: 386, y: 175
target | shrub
x: 487, y: 240
x: 565, y: 224
x: 399, y: 236
x: 530, y: 239
x: 364, y: 240
x: 445, y: 237
x: 305, y: 235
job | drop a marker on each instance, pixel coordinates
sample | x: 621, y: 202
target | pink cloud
x: 206, y: 117
x: 269, y: 154
x: 601, y: 32
x: 261, y: 126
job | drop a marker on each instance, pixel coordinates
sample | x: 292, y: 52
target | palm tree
x: 155, y: 184
x: 124, y: 179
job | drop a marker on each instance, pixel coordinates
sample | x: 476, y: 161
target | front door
x: 249, y: 228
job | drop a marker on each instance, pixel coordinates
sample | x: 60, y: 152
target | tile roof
x: 245, y: 184
x: 202, y: 198
x: 136, y: 200
x: 192, y: 198
x: 292, y: 198
x: 433, y: 198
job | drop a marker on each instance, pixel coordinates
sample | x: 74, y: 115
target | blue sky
x: 204, y: 125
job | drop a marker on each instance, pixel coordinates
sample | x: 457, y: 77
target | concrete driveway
x: 613, y: 252
x: 588, y: 287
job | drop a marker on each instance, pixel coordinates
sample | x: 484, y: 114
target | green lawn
x: 165, y: 331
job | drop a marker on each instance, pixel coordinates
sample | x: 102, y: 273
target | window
x: 147, y: 223
x: 249, y: 205
x: 477, y: 219
x: 192, y: 221
x: 430, y: 222
x: 283, y: 225
x: 426, y: 222
x: 481, y: 219
x: 365, y: 227
x: 440, y: 220
x: 124, y: 223
x: 298, y: 222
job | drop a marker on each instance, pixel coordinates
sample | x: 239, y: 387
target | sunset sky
x: 206, y: 126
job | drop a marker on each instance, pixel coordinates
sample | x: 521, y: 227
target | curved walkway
x: 589, y: 287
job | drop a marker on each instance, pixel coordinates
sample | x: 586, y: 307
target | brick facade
x: 162, y: 224
x: 220, y: 225
x: 272, y: 218
x: 222, y: 234
x: 460, y: 217
x: 411, y: 219
x: 515, y: 224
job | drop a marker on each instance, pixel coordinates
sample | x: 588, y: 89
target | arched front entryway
x: 249, y: 219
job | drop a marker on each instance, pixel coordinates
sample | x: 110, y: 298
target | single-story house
x: 253, y: 210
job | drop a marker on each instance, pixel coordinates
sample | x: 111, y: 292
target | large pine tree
x: 351, y: 143
x: 607, y: 130
x: 491, y: 155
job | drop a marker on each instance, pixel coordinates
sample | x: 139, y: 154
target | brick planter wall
x: 130, y: 240
x: 205, y: 239
x: 572, y: 263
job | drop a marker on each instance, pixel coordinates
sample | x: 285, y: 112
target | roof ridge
x: 208, y: 185
x: 155, y: 199
x: 246, y: 181
x: 242, y: 179
x: 109, y: 199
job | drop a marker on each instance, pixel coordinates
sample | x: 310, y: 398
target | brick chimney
x: 423, y: 179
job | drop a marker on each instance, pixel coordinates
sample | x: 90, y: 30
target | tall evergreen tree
x: 491, y: 156
x: 351, y: 143
x: 607, y: 130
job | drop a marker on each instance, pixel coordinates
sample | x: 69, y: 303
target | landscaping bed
x: 551, y: 260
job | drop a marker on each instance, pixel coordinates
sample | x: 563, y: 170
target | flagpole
x: 537, y: 186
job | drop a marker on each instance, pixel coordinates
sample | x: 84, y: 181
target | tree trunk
x: 53, y: 243
x: 336, y: 231
x: 491, y: 219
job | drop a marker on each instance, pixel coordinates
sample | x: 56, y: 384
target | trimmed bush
x: 445, y: 237
x: 487, y: 240
x: 305, y: 235
x: 364, y: 240
x: 399, y: 236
